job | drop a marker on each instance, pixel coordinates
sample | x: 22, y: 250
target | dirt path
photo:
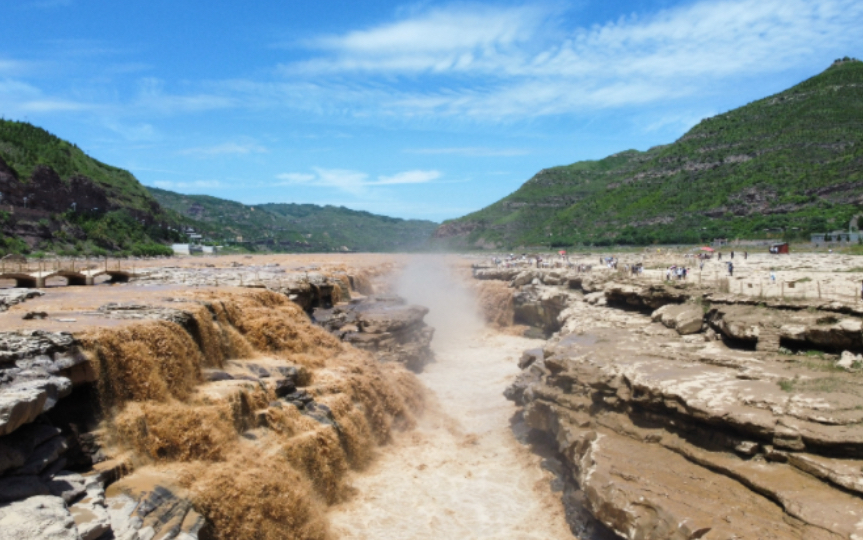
x: 461, y: 473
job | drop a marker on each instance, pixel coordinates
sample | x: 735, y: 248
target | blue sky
x: 419, y: 110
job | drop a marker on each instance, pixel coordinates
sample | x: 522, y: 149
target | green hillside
x: 786, y: 165
x: 297, y: 227
x: 24, y: 146
x: 54, y: 197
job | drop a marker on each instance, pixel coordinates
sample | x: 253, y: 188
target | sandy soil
x: 461, y: 473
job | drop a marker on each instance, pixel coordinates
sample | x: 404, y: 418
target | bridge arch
x: 72, y: 278
x: 23, y: 280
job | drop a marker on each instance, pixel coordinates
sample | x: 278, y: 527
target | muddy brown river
x: 461, y: 473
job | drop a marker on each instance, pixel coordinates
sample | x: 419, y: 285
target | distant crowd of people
x: 561, y: 260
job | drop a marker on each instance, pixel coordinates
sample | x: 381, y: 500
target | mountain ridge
x: 790, y: 163
x: 298, y: 227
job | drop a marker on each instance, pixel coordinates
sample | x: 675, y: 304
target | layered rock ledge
x: 184, y: 413
x: 383, y: 324
x: 683, y: 413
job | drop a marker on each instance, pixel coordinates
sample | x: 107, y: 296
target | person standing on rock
x: 745, y: 255
x: 732, y: 255
x: 730, y: 268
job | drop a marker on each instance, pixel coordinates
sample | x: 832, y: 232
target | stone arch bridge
x: 34, y: 274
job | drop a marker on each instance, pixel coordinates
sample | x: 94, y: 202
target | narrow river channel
x: 461, y: 474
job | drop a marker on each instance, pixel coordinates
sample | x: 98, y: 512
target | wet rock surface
x: 12, y: 297
x: 384, y: 325
x: 38, y: 497
x: 308, y: 287
x: 684, y: 414
x: 153, y: 511
x: 34, y: 374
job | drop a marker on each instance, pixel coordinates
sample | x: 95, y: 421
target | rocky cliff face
x: 683, y: 413
x: 384, y: 325
x: 45, y: 191
x: 35, y: 206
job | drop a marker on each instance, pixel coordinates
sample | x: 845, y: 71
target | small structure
x: 186, y: 249
x: 836, y: 237
x: 181, y: 249
x: 777, y: 249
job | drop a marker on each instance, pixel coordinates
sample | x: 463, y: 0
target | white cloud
x: 346, y: 180
x: 152, y: 96
x: 52, y: 105
x: 186, y: 186
x: 11, y: 67
x: 296, y: 178
x: 230, y: 148
x: 408, y: 177
x: 491, y: 63
x: 354, y: 182
x: 133, y: 132
x: 469, y: 151
x: 21, y: 98
x: 708, y: 37
x: 439, y: 40
x: 495, y: 63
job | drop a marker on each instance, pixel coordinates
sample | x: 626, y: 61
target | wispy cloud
x: 229, y: 148
x: 470, y: 62
x: 469, y: 151
x: 408, y: 177
x: 153, y: 97
x: 355, y: 182
x: 442, y: 39
x: 19, y: 97
x: 11, y: 67
x: 133, y: 132
x: 296, y: 178
x: 187, y: 186
x: 495, y: 63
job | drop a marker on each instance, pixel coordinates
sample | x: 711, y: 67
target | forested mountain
x: 786, y: 165
x: 297, y: 227
x: 54, y: 197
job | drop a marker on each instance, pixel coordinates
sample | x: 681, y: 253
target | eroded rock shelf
x: 683, y: 413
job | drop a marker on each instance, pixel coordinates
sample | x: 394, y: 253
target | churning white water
x: 461, y: 474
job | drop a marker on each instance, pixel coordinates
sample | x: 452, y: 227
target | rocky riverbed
x: 300, y: 398
x: 167, y: 408
x: 685, y: 412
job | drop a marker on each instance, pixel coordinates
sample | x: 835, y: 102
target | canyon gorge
x: 395, y: 396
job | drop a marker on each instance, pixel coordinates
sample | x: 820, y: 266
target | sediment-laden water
x: 461, y: 473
